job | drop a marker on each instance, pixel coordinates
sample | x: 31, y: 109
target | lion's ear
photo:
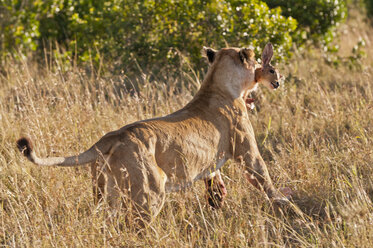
x: 246, y: 54
x: 209, y: 53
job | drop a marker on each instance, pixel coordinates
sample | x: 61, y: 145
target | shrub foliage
x: 154, y: 32
x: 317, y: 18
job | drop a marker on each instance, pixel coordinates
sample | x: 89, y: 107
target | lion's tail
x: 25, y: 147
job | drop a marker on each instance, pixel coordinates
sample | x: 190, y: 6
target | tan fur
x: 148, y: 158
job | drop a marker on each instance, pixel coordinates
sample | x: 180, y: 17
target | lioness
x: 269, y: 76
x: 148, y: 158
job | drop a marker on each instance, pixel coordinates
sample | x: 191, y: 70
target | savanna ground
x: 315, y: 133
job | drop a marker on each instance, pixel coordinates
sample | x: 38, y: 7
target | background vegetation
x: 315, y: 134
x: 160, y: 32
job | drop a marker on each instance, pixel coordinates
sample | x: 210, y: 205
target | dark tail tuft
x: 24, y: 146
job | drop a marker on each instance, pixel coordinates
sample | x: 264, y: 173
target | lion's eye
x: 272, y: 71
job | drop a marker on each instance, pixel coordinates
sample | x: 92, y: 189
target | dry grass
x: 315, y: 133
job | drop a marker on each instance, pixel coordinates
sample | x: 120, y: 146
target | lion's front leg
x: 247, y: 153
x: 257, y: 174
x: 216, y: 191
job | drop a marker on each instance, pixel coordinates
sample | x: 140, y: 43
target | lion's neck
x: 226, y: 86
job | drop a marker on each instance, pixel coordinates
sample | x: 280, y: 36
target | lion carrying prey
x: 149, y: 158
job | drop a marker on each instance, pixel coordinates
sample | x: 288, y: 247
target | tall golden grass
x: 315, y: 133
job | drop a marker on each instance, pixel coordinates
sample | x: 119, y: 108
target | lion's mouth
x: 275, y: 85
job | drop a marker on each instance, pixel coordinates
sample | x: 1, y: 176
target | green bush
x: 155, y: 33
x: 316, y: 18
x: 369, y: 7
x: 19, y: 27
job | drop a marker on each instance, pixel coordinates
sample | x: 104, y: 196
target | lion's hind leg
x: 135, y: 182
x: 216, y: 190
x: 98, y: 181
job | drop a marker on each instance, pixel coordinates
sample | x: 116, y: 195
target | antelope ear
x: 209, y: 53
x: 246, y: 54
x: 267, y: 54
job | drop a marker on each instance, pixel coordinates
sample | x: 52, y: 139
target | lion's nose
x: 276, y: 85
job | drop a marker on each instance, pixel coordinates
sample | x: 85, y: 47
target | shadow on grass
x: 302, y: 221
x: 310, y: 205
